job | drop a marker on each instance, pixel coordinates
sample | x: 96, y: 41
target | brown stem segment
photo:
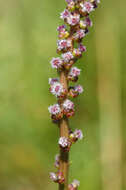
x: 64, y: 132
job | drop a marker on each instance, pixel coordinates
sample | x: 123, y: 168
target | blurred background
x: 28, y: 139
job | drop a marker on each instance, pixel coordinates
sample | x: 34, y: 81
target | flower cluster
x: 57, y: 89
x: 70, y: 48
x: 66, y: 143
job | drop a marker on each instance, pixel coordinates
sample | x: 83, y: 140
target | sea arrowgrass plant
x: 70, y: 48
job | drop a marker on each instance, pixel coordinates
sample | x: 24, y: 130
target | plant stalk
x: 64, y: 132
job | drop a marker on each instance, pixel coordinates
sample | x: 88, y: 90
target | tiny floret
x: 56, y: 89
x: 87, y: 7
x: 68, y: 105
x: 88, y: 22
x: 79, y: 89
x: 54, y: 109
x: 74, y: 185
x: 65, y: 14
x: 56, y: 63
x: 78, y: 134
x: 53, y: 177
x: 82, y: 48
x: 53, y: 80
x: 63, y: 142
x: 73, y: 19
x: 74, y: 71
x: 80, y: 34
x: 60, y: 28
x: 63, y: 44
x: 67, y: 56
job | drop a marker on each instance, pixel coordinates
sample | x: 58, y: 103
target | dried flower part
x: 74, y: 185
x: 56, y: 63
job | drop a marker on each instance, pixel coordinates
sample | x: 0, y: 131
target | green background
x: 28, y: 139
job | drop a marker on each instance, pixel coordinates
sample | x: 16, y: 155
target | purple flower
x: 60, y: 28
x: 78, y: 134
x: 54, y: 109
x: 63, y: 142
x: 88, y: 22
x: 67, y: 56
x: 74, y: 185
x: 56, y: 63
x: 56, y: 89
x: 68, y: 105
x: 53, y: 80
x: 80, y: 34
x: 87, y: 7
x: 82, y: 48
x: 65, y: 14
x: 73, y: 19
x: 63, y: 44
x: 74, y: 72
x: 79, y: 89
x: 53, y: 177
x: 77, y: 52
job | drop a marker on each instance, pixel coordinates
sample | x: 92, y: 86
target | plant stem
x: 64, y: 132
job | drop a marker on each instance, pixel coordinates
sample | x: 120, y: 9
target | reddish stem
x: 64, y: 132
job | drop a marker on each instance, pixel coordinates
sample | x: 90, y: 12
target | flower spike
x: 70, y: 47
